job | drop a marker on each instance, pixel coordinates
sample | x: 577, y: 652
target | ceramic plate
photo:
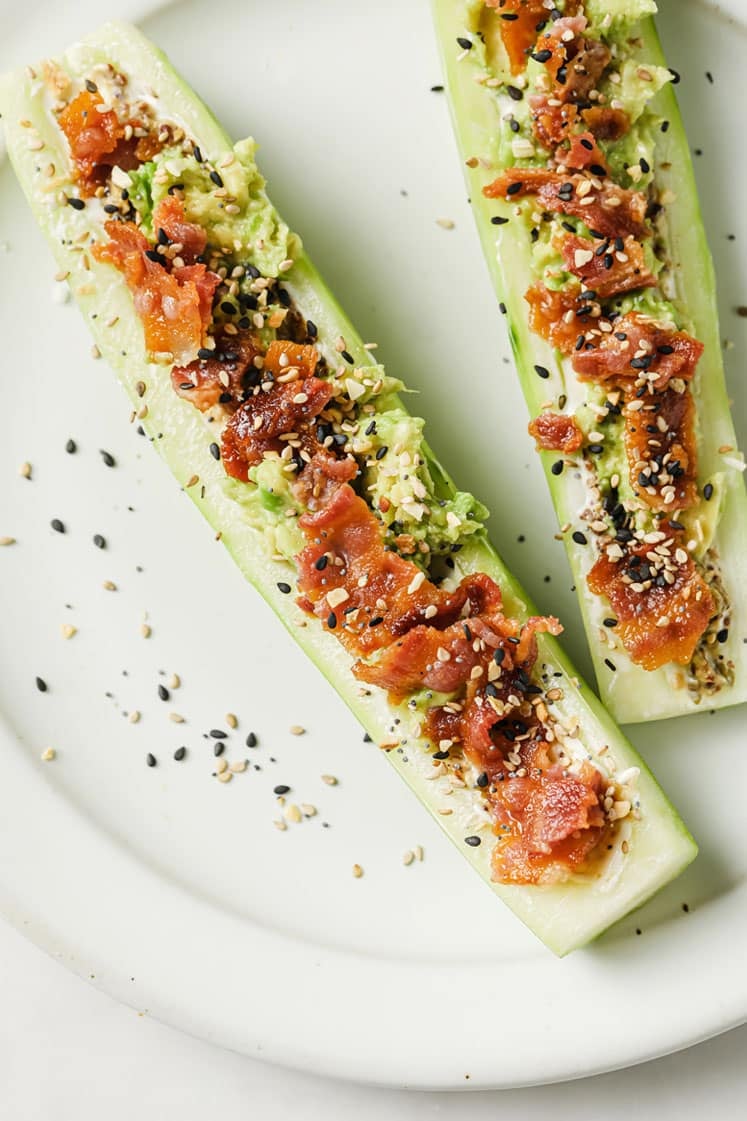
x: 176, y: 893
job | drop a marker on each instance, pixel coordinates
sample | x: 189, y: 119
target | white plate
x: 175, y: 893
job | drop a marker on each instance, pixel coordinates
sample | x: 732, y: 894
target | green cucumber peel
x: 564, y: 916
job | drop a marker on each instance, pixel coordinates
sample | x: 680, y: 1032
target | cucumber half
x: 631, y: 693
x: 654, y: 845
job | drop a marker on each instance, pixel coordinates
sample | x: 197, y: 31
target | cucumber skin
x: 631, y: 694
x: 564, y: 917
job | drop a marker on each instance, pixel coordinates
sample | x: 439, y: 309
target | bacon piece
x: 174, y: 307
x: 663, y: 353
x: 664, y: 622
x: 519, y: 33
x: 556, y: 432
x: 385, y: 595
x: 321, y: 478
x: 587, y: 61
x: 256, y: 426
x: 553, y: 315
x: 188, y: 238
x: 584, y: 153
x: 674, y: 482
x: 610, y: 210
x: 97, y: 143
x: 284, y: 356
x: 551, y: 123
x: 552, y: 821
x: 599, y: 267
x: 606, y: 124
x: 221, y: 379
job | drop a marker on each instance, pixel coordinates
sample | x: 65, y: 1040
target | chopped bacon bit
x: 519, y: 35
x: 583, y: 153
x: 587, y: 61
x: 639, y: 347
x: 190, y: 238
x: 664, y: 622
x: 174, y: 307
x: 222, y: 378
x: 599, y: 266
x: 380, y: 603
x: 666, y: 447
x: 551, y: 124
x: 256, y: 426
x: 553, y: 316
x: 612, y: 211
x: 283, y: 355
x: 552, y: 821
x: 606, y: 124
x: 97, y: 143
x: 320, y: 478
x: 556, y: 432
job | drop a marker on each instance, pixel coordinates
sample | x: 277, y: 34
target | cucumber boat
x: 264, y: 402
x: 583, y: 192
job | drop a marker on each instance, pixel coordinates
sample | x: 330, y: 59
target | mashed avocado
x: 237, y: 216
x: 269, y: 505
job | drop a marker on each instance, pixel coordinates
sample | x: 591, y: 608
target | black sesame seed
x: 281, y: 789
x: 498, y: 221
x: 71, y: 447
x: 381, y: 452
x: 482, y: 780
x: 437, y: 89
x: 347, y: 356
x: 514, y: 93
x: 542, y: 371
x: 723, y: 635
x: 370, y: 429
x: 473, y: 841
x: 440, y: 755
x: 322, y: 563
x: 163, y: 693
x: 215, y: 451
x: 311, y: 329
x: 152, y: 255
x: 251, y: 740
x: 331, y: 620
x: 376, y: 621
x: 509, y: 16
x: 579, y: 537
x: 610, y: 622
x: 465, y: 44
x: 708, y: 492
x: 541, y: 56
x: 41, y: 684
x: 150, y: 759
x: 610, y: 665
x: 499, y: 656
x: 502, y: 308
x: 557, y: 467
x: 676, y: 76
x: 665, y: 126
x: 216, y: 178
x: 99, y: 541
x: 514, y: 188
x: 108, y: 458
x: 180, y: 753
x: 77, y: 204
x: 284, y: 588
x: 595, y: 449
x: 218, y: 748
x: 197, y: 153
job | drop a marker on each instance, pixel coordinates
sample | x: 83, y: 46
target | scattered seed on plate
x: 176, y: 718
x: 134, y: 716
x: 68, y: 630
x: 330, y: 780
x: 225, y: 776
x: 297, y: 730
x: 48, y: 754
x: 293, y: 814
x: 238, y: 767
x: 108, y: 458
x: 180, y: 753
x: 110, y: 586
x: 218, y: 747
x: 7, y: 541
x: 163, y: 692
x: 357, y: 871
x: 41, y: 684
x: 221, y: 766
x: 99, y: 541
x: 174, y: 681
x: 445, y: 223
x: 145, y: 630
x: 231, y: 720
x: 57, y: 525
x: 25, y: 470
x: 281, y: 789
x: 408, y: 857
x: 280, y: 824
x: 150, y: 759
x: 71, y: 447
x: 419, y: 854
x: 251, y: 740
x: 308, y: 810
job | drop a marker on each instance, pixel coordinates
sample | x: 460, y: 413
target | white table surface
x: 69, y: 1053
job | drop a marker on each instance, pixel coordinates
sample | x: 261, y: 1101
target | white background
x: 69, y: 1053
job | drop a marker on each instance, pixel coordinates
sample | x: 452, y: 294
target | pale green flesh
x: 631, y: 693
x: 565, y: 916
